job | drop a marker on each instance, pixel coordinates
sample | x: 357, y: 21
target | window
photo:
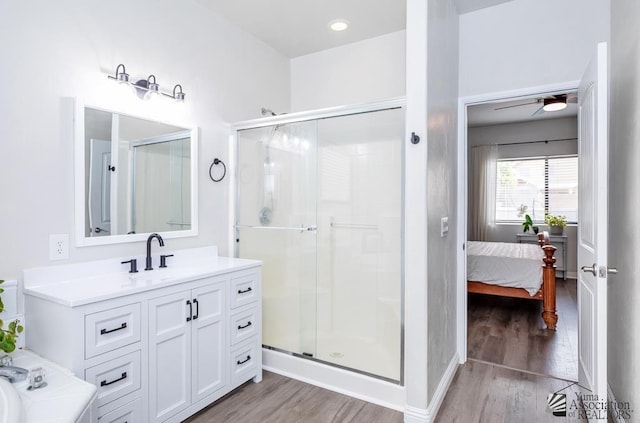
x: 536, y: 186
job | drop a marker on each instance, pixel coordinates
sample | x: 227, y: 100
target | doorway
x: 509, y: 332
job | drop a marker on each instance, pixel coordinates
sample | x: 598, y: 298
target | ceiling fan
x: 551, y: 103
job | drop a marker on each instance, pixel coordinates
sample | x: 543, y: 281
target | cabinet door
x: 169, y: 355
x: 208, y: 372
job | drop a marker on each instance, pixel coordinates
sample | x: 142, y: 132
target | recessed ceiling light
x: 339, y: 24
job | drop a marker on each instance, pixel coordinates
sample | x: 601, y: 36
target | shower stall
x: 319, y: 201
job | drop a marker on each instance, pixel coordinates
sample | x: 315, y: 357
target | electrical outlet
x: 59, y: 247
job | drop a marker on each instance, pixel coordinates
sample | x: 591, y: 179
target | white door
x: 208, y: 372
x: 592, y: 234
x: 99, y: 187
x: 169, y: 355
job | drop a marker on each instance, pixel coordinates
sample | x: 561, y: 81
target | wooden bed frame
x: 546, y: 294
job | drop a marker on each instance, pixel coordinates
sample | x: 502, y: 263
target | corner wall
x: 624, y: 202
x: 430, y: 194
x: 442, y: 142
x: 53, y: 50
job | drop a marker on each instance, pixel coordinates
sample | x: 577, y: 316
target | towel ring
x: 216, y: 162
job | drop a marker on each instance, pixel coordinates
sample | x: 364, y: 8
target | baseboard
x: 335, y: 379
x: 443, y: 387
x: 572, y: 275
x: 616, y: 417
x: 419, y: 415
x: 416, y: 415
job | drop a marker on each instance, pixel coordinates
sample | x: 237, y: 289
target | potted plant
x: 556, y: 223
x: 528, y: 223
x: 9, y: 335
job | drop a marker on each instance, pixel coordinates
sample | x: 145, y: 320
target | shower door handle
x: 300, y: 228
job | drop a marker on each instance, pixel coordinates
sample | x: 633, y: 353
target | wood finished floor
x: 504, y: 335
x: 510, y: 332
x: 483, y: 392
x: 278, y: 399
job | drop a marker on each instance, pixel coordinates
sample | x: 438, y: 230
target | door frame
x: 462, y: 193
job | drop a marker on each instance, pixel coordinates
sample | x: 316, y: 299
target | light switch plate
x: 444, y: 226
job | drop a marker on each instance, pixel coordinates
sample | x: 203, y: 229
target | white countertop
x: 85, y: 283
x: 63, y: 400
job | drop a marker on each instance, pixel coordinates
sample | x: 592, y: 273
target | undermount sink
x: 10, y: 403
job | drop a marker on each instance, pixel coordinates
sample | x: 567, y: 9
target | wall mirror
x: 134, y: 176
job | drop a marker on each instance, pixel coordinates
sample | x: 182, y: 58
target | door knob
x: 593, y: 269
x: 604, y: 271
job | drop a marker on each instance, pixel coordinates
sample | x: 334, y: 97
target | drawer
x: 245, y: 363
x: 244, y: 325
x: 128, y: 413
x: 111, y: 329
x: 115, y: 378
x: 244, y: 290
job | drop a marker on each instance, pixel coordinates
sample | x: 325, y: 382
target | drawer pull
x: 245, y: 326
x: 244, y: 291
x: 105, y: 331
x: 190, y: 310
x: 123, y: 377
x: 245, y: 360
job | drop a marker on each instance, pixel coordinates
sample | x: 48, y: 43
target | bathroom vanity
x: 159, y: 345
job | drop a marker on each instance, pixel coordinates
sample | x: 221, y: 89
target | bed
x: 515, y: 270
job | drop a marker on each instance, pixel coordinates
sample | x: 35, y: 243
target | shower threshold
x: 360, y: 385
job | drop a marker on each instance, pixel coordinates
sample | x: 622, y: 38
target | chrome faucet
x: 160, y: 240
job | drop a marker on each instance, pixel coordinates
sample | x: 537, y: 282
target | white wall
x: 361, y: 72
x: 62, y: 49
x: 526, y: 43
x: 430, y: 193
x: 624, y: 202
x: 548, y: 129
x: 442, y: 139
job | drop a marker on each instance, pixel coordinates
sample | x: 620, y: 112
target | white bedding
x: 505, y: 264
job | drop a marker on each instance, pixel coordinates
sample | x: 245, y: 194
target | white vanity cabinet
x: 159, y: 346
x: 102, y: 343
x: 187, y: 347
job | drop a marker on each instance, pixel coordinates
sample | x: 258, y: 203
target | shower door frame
x: 331, y: 112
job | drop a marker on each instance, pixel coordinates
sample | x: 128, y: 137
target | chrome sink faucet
x: 160, y: 240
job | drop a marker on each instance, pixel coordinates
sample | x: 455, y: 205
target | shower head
x: 268, y: 112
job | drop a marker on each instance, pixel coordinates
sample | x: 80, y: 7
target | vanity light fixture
x: 177, y: 95
x: 121, y: 76
x: 146, y: 88
x: 152, y: 87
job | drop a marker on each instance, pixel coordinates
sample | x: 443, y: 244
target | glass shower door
x: 360, y: 241
x: 276, y: 223
x: 320, y: 203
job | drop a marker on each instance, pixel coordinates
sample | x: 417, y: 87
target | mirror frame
x: 79, y: 180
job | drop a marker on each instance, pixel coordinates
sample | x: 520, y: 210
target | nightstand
x: 558, y: 241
